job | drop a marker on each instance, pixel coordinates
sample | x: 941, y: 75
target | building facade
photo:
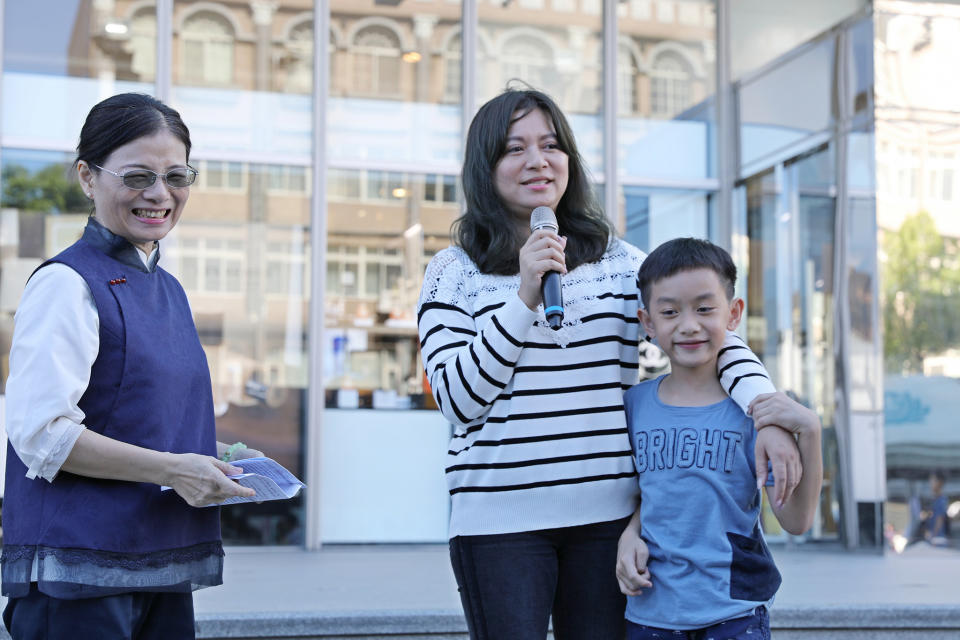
x: 328, y: 137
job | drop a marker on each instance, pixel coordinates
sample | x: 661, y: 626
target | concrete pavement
x: 409, y: 591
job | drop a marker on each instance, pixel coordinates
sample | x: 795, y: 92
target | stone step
x: 787, y: 623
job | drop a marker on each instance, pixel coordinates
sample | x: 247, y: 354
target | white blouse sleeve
x: 56, y: 339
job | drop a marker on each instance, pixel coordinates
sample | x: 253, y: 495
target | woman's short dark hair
x: 486, y: 230
x: 123, y: 118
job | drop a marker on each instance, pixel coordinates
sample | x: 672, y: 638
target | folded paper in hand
x: 268, y: 478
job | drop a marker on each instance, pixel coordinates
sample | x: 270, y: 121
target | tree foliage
x: 48, y: 190
x: 921, y: 283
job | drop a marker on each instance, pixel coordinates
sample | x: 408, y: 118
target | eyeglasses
x: 141, y: 179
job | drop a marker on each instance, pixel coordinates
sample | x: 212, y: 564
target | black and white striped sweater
x: 540, y: 437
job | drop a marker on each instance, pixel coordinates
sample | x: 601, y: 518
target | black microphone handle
x: 552, y: 299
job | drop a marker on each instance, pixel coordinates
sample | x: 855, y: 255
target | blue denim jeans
x: 753, y: 627
x: 511, y: 584
x: 137, y: 616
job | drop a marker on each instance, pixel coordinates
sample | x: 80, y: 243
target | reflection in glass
x: 781, y: 109
x: 375, y: 53
x: 793, y: 23
x: 42, y: 211
x: 557, y: 50
x: 208, y: 43
x: 242, y: 249
x: 666, y: 81
x: 654, y: 216
x: 393, y: 150
x: 918, y: 237
x: 790, y: 301
x: 67, y: 55
x: 383, y: 226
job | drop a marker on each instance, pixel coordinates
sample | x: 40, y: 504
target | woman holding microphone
x: 540, y: 470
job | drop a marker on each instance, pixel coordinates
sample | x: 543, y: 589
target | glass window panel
x: 333, y: 277
x: 189, y: 274
x: 349, y: 279
x: 371, y: 285
x: 235, y: 175
x: 382, y: 221
x: 654, y: 216
x: 667, y: 79
x: 143, y: 44
x: 783, y: 108
x: 918, y: 238
x: 67, y: 55
x: 208, y: 41
x: 792, y: 22
x: 213, y: 175
x: 297, y: 179
x: 233, y: 65
x: 211, y: 280
x: 861, y: 51
x: 449, y: 189
x: 234, y: 276
x: 554, y: 50
x: 42, y: 212
x: 790, y: 298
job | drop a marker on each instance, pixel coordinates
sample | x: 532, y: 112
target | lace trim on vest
x: 132, y: 561
x: 86, y: 572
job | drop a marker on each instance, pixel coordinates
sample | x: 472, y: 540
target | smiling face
x: 533, y: 170
x: 689, y: 314
x: 140, y: 216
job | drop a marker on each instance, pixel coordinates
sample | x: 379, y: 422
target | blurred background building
x: 819, y: 141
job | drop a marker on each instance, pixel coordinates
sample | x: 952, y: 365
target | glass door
x: 791, y: 213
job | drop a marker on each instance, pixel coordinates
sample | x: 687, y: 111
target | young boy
x: 706, y: 571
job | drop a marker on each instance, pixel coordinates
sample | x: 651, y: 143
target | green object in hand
x: 232, y: 449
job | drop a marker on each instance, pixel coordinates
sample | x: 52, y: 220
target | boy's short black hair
x: 685, y: 254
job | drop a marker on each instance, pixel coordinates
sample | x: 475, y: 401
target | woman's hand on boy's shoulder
x: 779, y: 410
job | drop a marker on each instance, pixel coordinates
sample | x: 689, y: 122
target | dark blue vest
x: 149, y: 386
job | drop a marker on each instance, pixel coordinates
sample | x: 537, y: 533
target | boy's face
x: 689, y: 315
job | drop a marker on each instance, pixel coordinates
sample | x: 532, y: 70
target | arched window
x: 627, y: 74
x: 300, y: 48
x: 530, y: 60
x: 376, y: 61
x: 670, y: 90
x: 208, y: 42
x: 143, y: 44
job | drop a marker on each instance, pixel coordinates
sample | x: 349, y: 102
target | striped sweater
x: 540, y: 440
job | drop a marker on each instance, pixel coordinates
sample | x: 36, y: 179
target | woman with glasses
x: 108, y: 400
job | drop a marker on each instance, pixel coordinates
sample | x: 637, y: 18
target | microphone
x: 544, y: 218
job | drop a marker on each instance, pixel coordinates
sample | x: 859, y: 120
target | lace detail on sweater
x: 453, y: 279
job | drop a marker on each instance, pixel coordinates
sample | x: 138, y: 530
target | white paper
x: 267, y: 477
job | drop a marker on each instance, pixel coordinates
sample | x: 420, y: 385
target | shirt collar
x: 119, y: 248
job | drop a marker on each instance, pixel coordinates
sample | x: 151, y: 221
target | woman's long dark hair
x: 486, y: 230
